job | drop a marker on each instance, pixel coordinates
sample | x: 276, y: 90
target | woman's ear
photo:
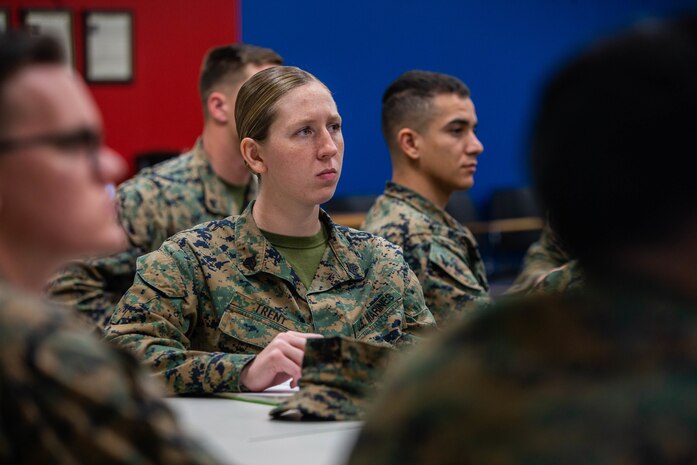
x: 253, y: 157
x: 409, y: 142
x: 217, y: 105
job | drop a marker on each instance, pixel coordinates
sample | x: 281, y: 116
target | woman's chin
x: 325, y: 195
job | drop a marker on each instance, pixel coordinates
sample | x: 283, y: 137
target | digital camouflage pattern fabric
x: 340, y: 376
x: 603, y: 377
x: 68, y: 398
x: 214, y: 296
x: 443, y: 253
x: 567, y: 277
x: 155, y: 204
x: 542, y: 257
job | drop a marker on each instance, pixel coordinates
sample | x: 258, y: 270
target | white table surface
x: 243, y: 433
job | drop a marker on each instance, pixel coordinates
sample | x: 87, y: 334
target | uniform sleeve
x: 419, y: 319
x: 95, y: 286
x: 157, y: 318
x: 565, y: 278
x: 542, y: 257
x: 451, y: 289
x: 69, y: 398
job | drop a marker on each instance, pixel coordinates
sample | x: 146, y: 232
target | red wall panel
x: 160, y: 108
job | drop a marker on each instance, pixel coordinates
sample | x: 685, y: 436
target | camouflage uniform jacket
x: 214, y: 296
x: 542, y: 257
x: 569, y: 276
x: 443, y: 253
x: 68, y: 398
x: 157, y: 203
x: 604, y: 377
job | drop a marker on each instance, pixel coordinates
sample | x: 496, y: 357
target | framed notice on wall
x: 108, y: 46
x: 56, y: 23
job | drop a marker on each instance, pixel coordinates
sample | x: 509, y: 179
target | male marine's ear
x: 251, y: 152
x: 409, y: 141
x: 217, y: 105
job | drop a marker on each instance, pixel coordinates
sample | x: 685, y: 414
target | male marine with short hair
x: 429, y: 121
x: 209, y: 182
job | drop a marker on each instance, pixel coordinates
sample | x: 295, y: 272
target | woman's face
x: 304, y: 149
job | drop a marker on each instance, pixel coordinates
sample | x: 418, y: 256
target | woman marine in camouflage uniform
x: 228, y: 305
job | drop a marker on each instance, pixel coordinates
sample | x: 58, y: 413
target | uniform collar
x: 344, y: 265
x: 421, y: 204
x: 255, y: 254
x: 215, y: 192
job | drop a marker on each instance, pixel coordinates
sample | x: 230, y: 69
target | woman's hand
x: 281, y: 360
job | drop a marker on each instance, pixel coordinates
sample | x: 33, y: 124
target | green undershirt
x: 302, y: 252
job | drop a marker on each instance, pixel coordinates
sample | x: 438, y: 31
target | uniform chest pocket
x: 453, y: 265
x: 254, y: 323
x: 248, y: 328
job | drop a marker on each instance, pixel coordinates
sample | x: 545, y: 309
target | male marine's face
x: 52, y: 190
x: 449, y: 146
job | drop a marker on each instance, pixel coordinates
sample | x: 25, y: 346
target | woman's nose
x: 328, y: 146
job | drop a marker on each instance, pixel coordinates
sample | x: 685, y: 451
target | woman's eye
x: 336, y: 127
x: 305, y: 132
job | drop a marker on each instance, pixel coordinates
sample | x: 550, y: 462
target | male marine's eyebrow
x: 461, y: 121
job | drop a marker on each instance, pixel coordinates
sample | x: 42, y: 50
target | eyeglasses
x: 85, y: 139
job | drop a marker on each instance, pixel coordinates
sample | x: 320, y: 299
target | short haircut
x: 408, y: 101
x: 614, y: 139
x: 255, y: 109
x: 20, y: 50
x: 221, y: 65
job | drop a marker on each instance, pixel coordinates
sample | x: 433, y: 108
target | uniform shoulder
x: 177, y: 170
x: 215, y: 233
x: 505, y: 329
x: 366, y: 242
x: 178, y: 165
x: 395, y: 218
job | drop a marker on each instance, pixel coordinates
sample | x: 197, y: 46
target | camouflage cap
x: 339, y: 376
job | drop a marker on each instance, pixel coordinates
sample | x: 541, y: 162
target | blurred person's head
x: 613, y: 145
x: 429, y: 122
x: 53, y: 165
x: 291, y: 135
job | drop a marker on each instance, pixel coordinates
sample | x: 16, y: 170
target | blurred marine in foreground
x: 65, y: 397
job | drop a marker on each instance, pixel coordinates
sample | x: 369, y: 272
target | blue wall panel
x: 502, y: 49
